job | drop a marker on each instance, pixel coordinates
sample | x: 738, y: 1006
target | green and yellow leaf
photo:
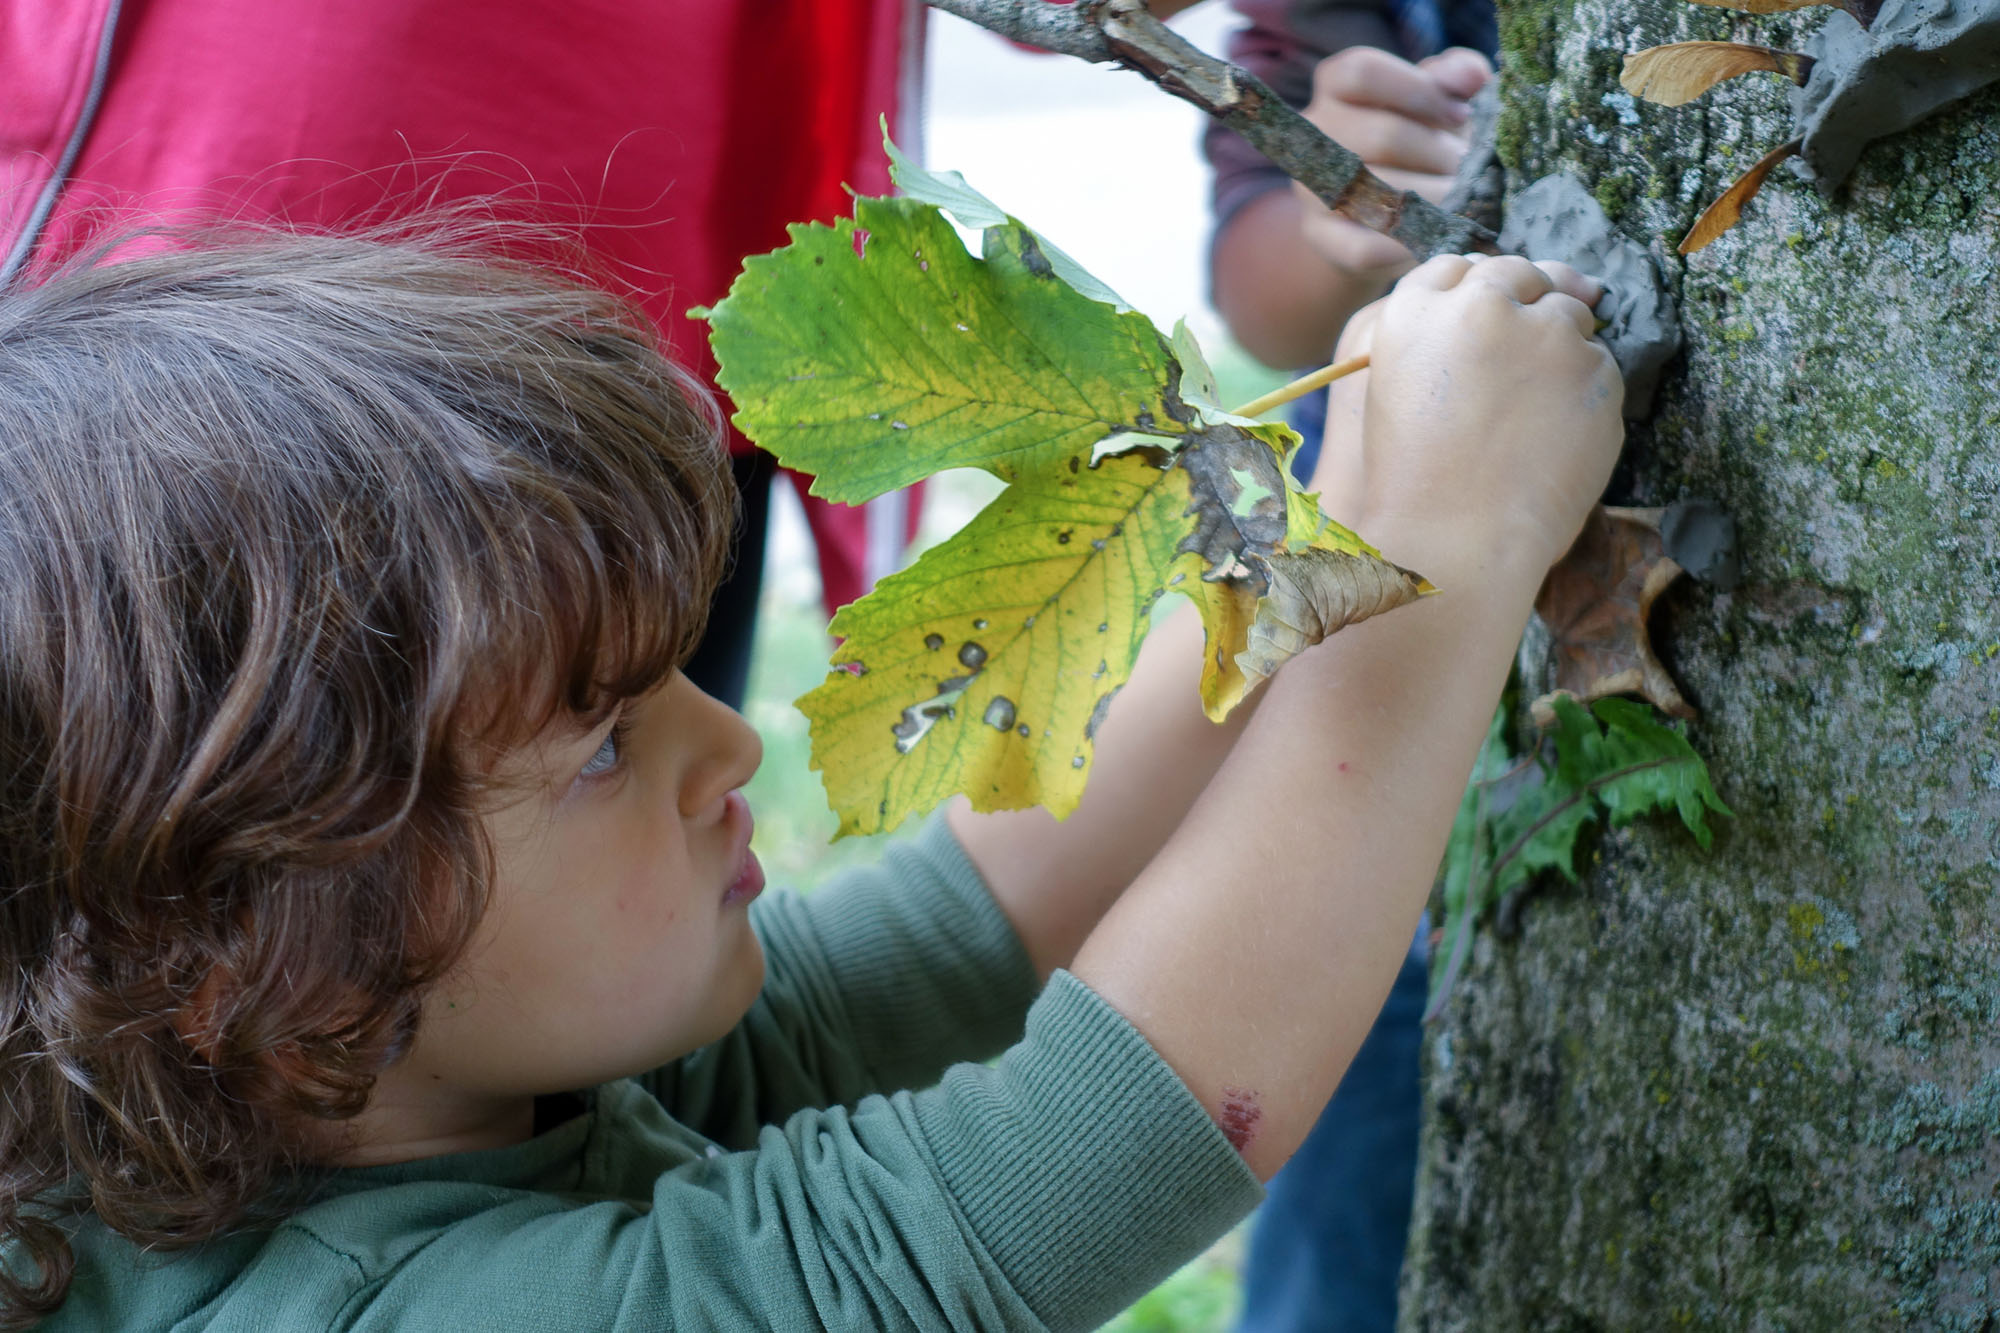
x: 987, y: 666
x: 948, y: 190
x: 1321, y: 589
x: 877, y: 351
x: 1270, y: 572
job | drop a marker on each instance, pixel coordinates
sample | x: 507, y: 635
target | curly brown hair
x: 294, y: 534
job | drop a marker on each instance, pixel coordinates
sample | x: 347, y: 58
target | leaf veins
x: 1614, y: 762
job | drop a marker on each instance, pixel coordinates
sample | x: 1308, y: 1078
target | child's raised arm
x: 1254, y: 949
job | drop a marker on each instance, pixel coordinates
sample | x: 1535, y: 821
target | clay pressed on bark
x: 1557, y: 218
x: 1700, y: 537
x: 1753, y: 1088
x: 1867, y: 83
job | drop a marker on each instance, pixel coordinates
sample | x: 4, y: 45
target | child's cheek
x: 638, y: 903
x: 651, y: 908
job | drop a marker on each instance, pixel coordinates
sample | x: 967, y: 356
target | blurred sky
x: 1099, y: 160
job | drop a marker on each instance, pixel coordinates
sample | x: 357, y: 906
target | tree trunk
x: 1759, y: 1087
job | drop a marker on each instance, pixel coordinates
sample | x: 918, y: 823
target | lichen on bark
x: 1756, y: 1088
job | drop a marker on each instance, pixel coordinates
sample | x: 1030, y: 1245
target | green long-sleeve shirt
x: 784, y: 1178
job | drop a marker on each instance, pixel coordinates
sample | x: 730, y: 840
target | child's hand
x: 1488, y: 421
x: 1407, y: 122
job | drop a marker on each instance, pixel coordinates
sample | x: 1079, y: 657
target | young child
x: 380, y: 948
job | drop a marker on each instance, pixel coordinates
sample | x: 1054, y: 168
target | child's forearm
x: 1256, y: 949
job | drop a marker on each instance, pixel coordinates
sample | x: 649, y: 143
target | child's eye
x: 608, y: 754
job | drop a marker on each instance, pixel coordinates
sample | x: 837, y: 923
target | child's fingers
x: 1432, y: 186
x: 1349, y: 246
x: 1459, y: 71
x: 1389, y: 139
x: 1573, y: 310
x: 1526, y: 283
x: 1570, y: 282
x: 1556, y: 290
x: 1363, y: 76
x: 1439, y: 273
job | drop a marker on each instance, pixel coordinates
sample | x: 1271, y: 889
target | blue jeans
x: 1326, y: 1249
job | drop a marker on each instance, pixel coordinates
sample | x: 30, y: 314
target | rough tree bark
x: 1759, y: 1088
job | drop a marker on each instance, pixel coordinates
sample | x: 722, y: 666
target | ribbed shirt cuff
x: 1082, y: 1162
x: 925, y: 962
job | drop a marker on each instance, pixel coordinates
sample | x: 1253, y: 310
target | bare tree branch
x: 1122, y: 31
x: 1069, y: 30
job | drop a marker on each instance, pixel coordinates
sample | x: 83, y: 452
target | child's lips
x: 749, y: 880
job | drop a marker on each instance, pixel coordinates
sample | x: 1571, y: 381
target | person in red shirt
x: 674, y: 137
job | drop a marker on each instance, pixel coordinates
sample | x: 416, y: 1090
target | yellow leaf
x: 1677, y: 74
x: 1228, y: 609
x: 986, y: 667
x: 879, y: 350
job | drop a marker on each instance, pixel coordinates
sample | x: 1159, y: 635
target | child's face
x: 617, y: 935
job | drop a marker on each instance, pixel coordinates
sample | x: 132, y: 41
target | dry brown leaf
x: 1676, y: 74
x: 1723, y: 213
x: 1315, y: 592
x: 1768, y: 6
x: 1863, y: 10
x: 1595, y: 602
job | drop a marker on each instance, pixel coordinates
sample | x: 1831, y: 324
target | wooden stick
x: 1301, y: 386
x: 1125, y: 32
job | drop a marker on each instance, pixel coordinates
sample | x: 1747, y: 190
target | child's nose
x: 726, y: 750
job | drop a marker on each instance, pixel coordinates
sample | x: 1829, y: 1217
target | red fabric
x: 680, y: 134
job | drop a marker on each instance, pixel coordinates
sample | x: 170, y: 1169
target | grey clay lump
x: 1556, y: 218
x: 1867, y: 83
